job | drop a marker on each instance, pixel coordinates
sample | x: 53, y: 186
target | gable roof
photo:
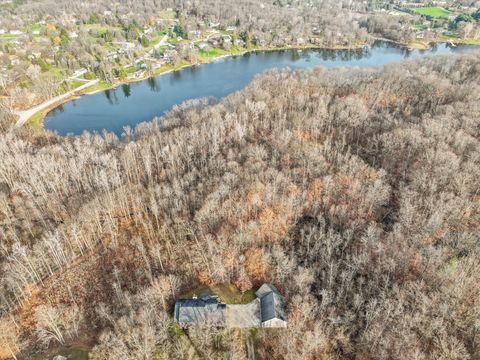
x: 272, y: 303
x: 201, y: 311
x: 265, y: 289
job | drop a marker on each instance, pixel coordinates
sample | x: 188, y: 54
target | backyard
x: 434, y: 12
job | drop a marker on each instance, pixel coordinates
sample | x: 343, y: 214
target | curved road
x: 27, y: 114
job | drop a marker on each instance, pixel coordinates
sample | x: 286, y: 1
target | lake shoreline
x: 37, y: 120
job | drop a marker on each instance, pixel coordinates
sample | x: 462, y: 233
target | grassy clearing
x: 228, y: 293
x: 419, y: 27
x: 458, y: 40
x: 435, y: 12
x: 8, y: 37
x: 100, y: 86
x: 419, y: 45
x: 168, y: 15
x: 36, y: 121
x: 75, y: 84
x: 211, y: 53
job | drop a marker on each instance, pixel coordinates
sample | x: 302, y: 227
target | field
x: 435, y: 12
x: 458, y: 40
x: 167, y: 15
x: 211, y: 53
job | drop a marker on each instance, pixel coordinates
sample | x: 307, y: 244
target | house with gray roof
x: 204, y: 311
x: 267, y: 310
x: 272, y: 305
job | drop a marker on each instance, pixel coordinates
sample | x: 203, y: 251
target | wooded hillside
x: 355, y: 192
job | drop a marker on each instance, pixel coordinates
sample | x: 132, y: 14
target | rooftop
x: 267, y: 310
x: 206, y: 310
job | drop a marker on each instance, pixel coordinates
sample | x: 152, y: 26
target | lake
x: 130, y: 104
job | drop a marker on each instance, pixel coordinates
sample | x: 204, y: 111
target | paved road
x: 27, y: 114
x: 162, y: 42
x: 159, y: 44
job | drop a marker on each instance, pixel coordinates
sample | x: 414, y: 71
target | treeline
x: 355, y: 192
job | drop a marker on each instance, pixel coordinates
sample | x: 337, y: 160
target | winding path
x: 27, y: 114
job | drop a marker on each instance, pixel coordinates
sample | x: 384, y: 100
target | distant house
x: 78, y: 73
x: 267, y: 310
x: 240, y: 42
x: 420, y: 34
x: 194, y: 34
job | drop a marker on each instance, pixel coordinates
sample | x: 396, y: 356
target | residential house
x: 204, y: 311
x: 240, y: 43
x: 194, y: 34
x: 214, y: 40
x: 272, y: 306
x: 267, y: 310
x: 301, y: 41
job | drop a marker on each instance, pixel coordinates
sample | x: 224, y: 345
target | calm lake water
x: 131, y: 104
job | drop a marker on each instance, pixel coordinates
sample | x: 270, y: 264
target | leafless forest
x: 355, y: 192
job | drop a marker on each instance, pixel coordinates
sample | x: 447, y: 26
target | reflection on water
x: 141, y: 101
x: 126, y: 90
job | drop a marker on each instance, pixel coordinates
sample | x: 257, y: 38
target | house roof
x: 206, y: 310
x: 272, y: 303
x: 265, y: 289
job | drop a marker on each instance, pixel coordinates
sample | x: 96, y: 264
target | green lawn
x: 458, y: 40
x: 211, y: 53
x: 228, y: 293
x: 100, y: 86
x: 36, y: 121
x: 35, y: 27
x: 8, y: 37
x: 75, y: 84
x: 435, y: 12
x: 168, y: 15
